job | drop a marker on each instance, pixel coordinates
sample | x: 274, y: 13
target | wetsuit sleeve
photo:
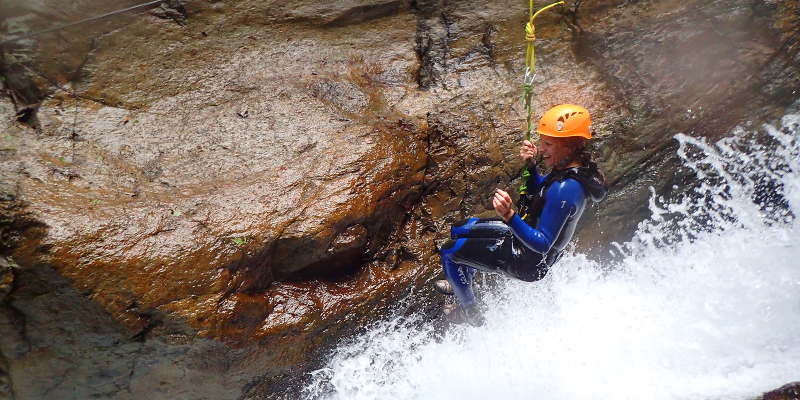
x: 562, y: 199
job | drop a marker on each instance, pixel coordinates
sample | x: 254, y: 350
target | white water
x: 705, y: 306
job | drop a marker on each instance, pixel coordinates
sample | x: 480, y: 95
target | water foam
x: 703, y: 304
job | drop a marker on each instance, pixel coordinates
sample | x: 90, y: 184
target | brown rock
x: 6, y: 277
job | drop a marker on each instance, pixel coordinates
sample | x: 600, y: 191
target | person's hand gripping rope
x: 501, y: 201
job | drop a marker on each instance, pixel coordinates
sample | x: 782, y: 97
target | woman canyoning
x: 524, y: 244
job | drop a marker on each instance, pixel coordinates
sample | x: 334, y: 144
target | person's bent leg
x: 462, y: 228
x: 479, y: 228
x: 459, y: 276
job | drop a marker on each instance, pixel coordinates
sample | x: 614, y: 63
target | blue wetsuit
x: 526, y: 246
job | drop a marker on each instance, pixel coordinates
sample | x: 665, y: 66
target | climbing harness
x: 530, y: 74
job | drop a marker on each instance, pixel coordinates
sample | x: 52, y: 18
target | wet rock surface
x: 200, y: 198
x: 699, y: 68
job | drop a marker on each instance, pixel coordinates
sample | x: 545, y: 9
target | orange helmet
x: 566, y: 120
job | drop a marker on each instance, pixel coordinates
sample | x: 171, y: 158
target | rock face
x: 209, y: 193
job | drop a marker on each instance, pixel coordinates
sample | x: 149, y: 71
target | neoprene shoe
x: 443, y: 286
x: 458, y: 314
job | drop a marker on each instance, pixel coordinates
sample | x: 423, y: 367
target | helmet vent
x: 567, y: 116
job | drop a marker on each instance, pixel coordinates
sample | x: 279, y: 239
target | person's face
x: 553, y: 150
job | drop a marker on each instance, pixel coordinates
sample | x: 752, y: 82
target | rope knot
x: 530, y: 32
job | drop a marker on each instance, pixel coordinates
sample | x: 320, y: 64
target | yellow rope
x: 530, y: 34
x: 530, y: 69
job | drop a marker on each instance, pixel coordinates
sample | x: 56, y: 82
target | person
x: 524, y: 244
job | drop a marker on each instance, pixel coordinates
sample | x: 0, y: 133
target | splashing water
x: 704, y: 304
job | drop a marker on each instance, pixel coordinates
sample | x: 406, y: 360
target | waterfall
x: 703, y: 303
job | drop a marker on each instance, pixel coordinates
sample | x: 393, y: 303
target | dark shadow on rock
x: 364, y: 13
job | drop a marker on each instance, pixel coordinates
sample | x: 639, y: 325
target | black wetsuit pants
x: 488, y: 245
